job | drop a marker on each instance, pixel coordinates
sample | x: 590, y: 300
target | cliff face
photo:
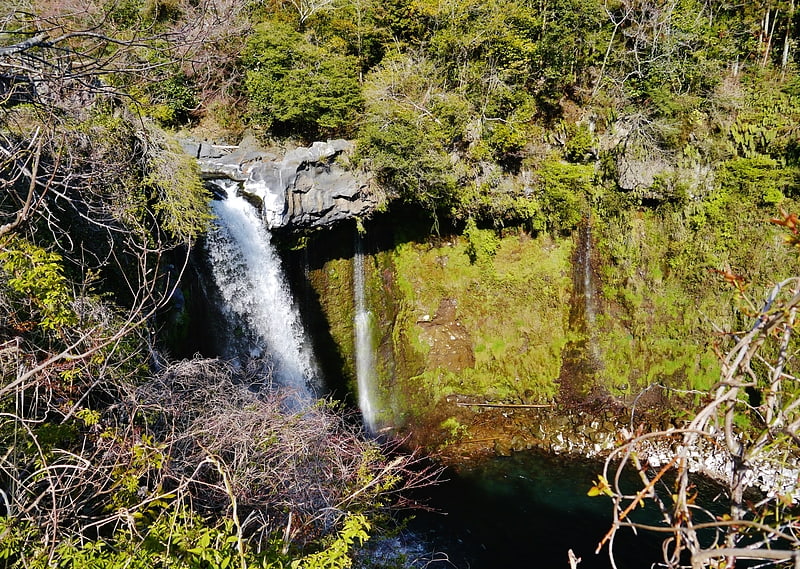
x: 612, y: 321
x: 612, y: 303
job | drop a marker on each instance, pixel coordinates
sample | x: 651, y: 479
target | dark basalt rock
x: 306, y: 188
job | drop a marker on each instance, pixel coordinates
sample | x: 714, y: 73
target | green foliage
x: 767, y: 122
x: 410, y: 21
x: 503, y: 50
x: 337, y: 554
x: 146, y: 455
x: 161, y: 11
x: 505, y: 138
x: 408, y: 162
x: 37, y: 277
x: 563, y: 190
x: 689, y: 59
x: 125, y: 13
x: 141, y: 14
x: 295, y: 86
x: 355, y: 27
x: 164, y: 537
x: 172, y: 99
x: 180, y: 199
x: 411, y: 126
x: 580, y: 144
x: 175, y: 538
x: 481, y: 243
x: 759, y: 178
x: 89, y: 417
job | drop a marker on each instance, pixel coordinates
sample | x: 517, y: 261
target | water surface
x: 526, y: 510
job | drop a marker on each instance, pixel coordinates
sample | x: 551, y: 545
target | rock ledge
x: 307, y: 188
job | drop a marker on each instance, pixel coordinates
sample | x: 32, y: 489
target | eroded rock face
x: 307, y: 188
x: 645, y: 168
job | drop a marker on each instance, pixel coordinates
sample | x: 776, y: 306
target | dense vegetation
x: 668, y: 131
x: 111, y: 453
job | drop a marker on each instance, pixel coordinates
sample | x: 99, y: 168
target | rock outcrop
x: 306, y: 188
x: 643, y: 167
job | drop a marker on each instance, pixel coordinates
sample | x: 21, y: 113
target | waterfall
x: 364, y: 345
x: 585, y: 260
x: 581, y: 358
x: 262, y: 319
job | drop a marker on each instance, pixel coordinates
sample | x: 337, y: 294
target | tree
x: 412, y: 124
x: 296, y: 87
x: 749, y: 426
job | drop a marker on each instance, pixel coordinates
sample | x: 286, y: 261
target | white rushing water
x: 257, y: 300
x: 364, y: 344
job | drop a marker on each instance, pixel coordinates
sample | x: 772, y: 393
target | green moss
x: 512, y: 309
x: 662, y: 293
x: 334, y: 284
x: 454, y: 430
x: 487, y: 316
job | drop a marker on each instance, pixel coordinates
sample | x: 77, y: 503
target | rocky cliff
x: 305, y: 188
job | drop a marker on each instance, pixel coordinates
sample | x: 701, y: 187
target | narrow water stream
x: 364, y: 344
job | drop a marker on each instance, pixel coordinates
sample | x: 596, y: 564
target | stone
x: 306, y: 188
x: 502, y: 447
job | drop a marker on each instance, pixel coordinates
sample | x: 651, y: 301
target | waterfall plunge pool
x: 522, y: 511
x: 526, y: 510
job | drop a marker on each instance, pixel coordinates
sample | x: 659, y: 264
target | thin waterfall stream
x: 364, y: 343
x: 262, y: 320
x: 580, y: 355
x: 585, y: 263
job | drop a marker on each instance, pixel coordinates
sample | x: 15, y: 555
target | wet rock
x: 519, y: 443
x: 449, y: 340
x: 502, y: 447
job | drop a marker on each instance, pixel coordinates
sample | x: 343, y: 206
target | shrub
x: 563, y: 188
x: 294, y: 86
x: 482, y: 244
x: 37, y: 275
x: 172, y: 100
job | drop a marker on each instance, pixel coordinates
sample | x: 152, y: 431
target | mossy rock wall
x: 667, y: 284
x: 447, y: 325
x: 489, y: 316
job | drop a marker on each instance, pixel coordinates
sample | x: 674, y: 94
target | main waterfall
x: 364, y: 345
x: 262, y: 321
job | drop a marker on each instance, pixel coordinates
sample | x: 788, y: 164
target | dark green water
x: 527, y: 510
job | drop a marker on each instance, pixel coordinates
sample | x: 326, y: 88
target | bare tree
x: 307, y: 8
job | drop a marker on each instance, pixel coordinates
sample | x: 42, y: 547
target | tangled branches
x: 202, y: 435
x: 312, y: 464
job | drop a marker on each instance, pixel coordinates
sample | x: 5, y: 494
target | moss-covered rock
x: 502, y: 316
x: 448, y: 326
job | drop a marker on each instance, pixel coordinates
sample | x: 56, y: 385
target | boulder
x: 306, y: 188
